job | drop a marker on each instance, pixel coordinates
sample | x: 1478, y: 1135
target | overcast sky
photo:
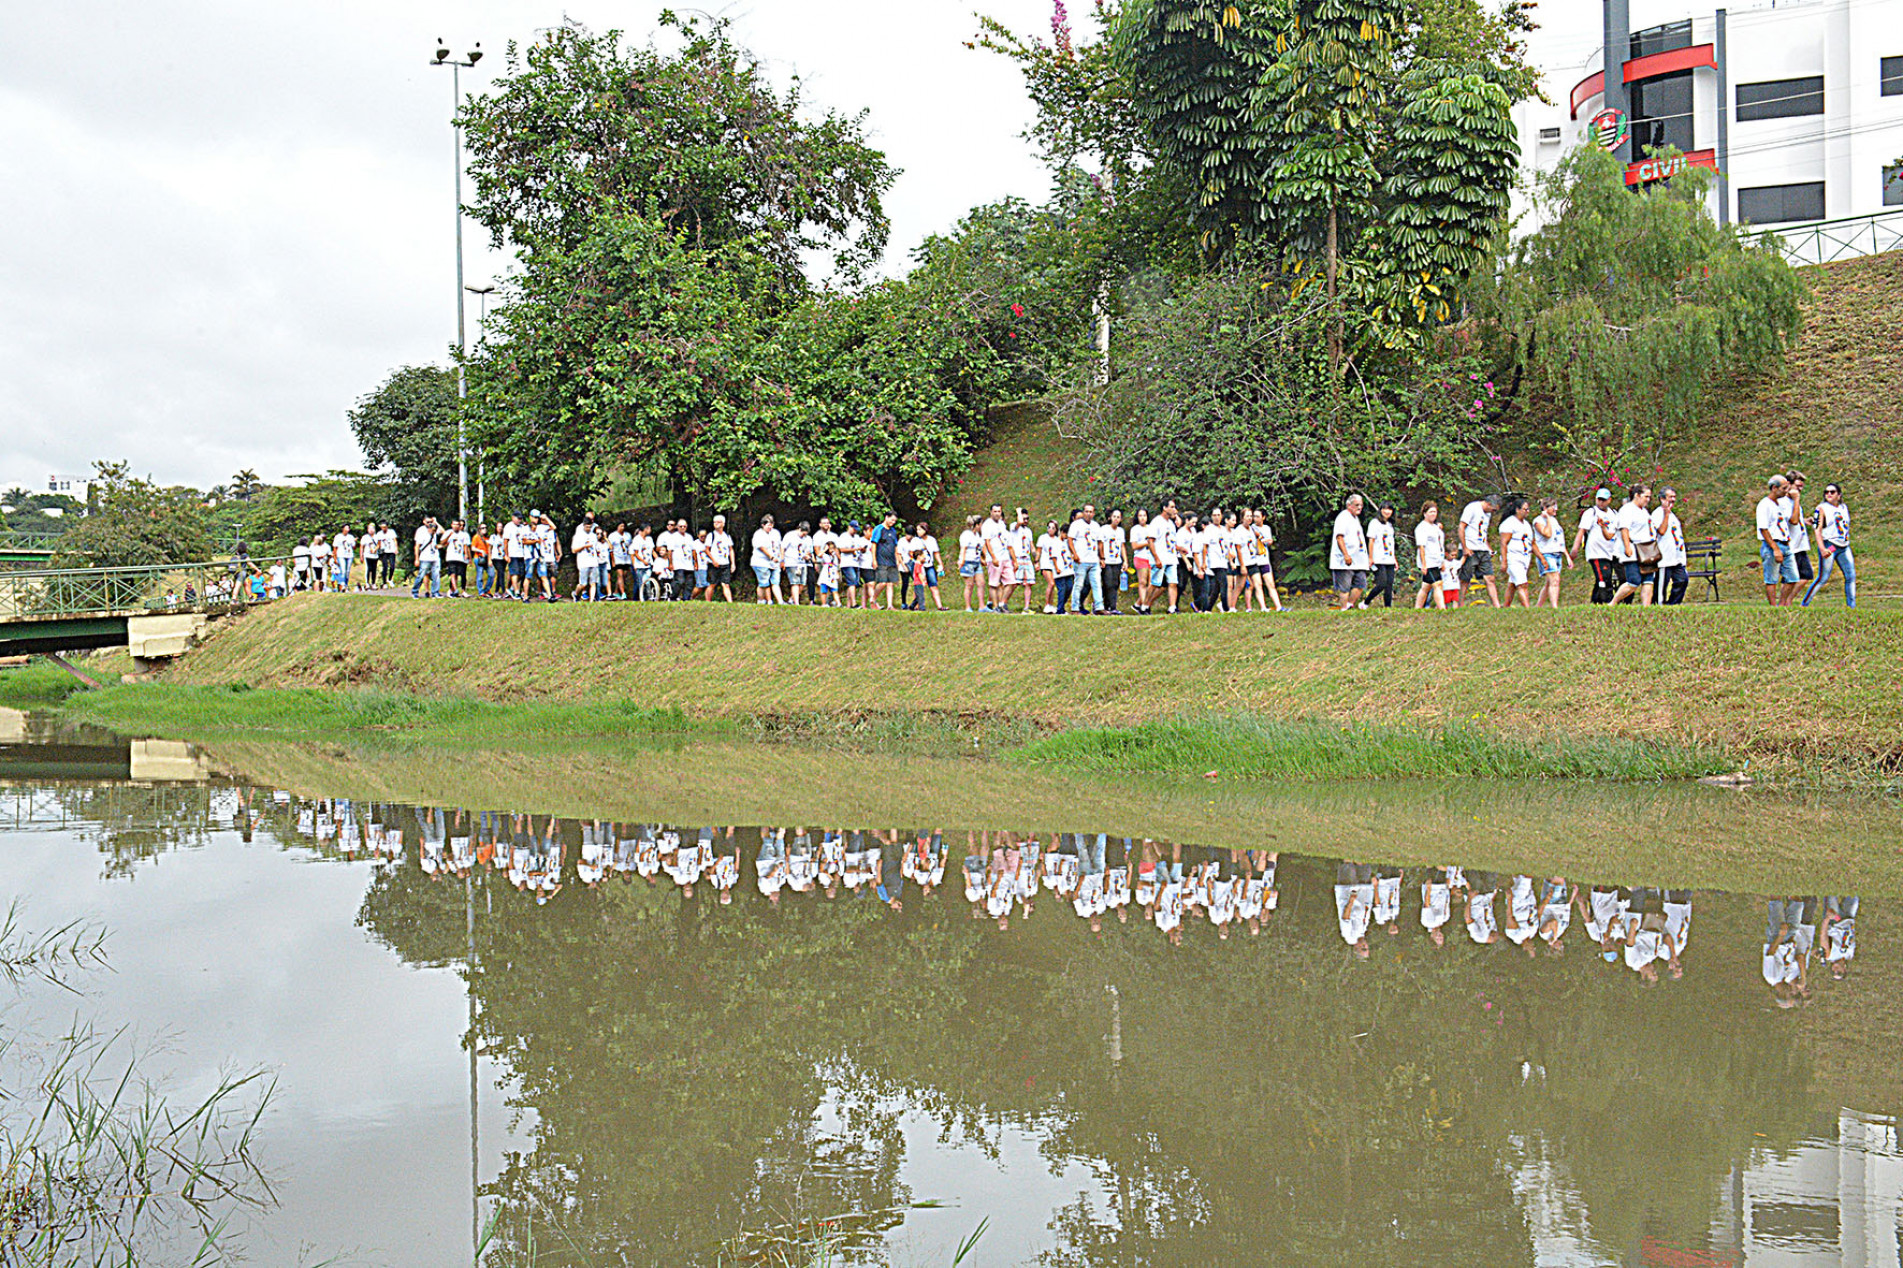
x: 226, y: 221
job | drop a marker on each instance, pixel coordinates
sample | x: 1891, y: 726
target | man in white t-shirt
x: 765, y: 561
x: 1109, y: 539
x: 1774, y: 543
x: 1672, y: 574
x: 320, y: 562
x: 456, y: 559
x: 547, y: 555
x: 620, y: 559
x: 301, y: 564
x: 1348, y: 554
x: 1799, y: 525
x: 515, y: 550
x: 1598, y: 540
x: 1476, y: 551
x: 995, y: 547
x: 429, y: 559
x: 720, y: 560
x: 1086, y: 564
x: 1167, y: 564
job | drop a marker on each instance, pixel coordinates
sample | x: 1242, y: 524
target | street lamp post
x: 456, y: 66
x: 482, y: 294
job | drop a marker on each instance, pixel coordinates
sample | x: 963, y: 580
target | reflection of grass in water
x: 98, y: 1165
x: 1264, y: 748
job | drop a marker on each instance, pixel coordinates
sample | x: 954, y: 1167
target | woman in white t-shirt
x: 1833, y: 539
x: 1549, y: 545
x: 1263, y: 571
x: 1140, y: 557
x: 766, y: 562
x: 1054, y: 561
x: 1516, y: 547
x: 1430, y: 550
x: 971, y: 562
x: 1381, y: 556
x: 1638, y: 547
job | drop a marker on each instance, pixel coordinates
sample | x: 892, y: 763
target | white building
x: 1797, y: 104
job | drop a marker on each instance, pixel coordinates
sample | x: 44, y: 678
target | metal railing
x: 37, y: 543
x: 50, y: 594
x: 1849, y: 238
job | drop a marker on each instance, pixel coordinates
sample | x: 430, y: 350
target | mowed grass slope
x: 1800, y: 687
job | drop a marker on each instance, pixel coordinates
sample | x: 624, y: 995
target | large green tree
x: 407, y: 431
x: 132, y: 522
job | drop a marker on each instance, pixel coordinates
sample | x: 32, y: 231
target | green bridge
x: 78, y: 609
x: 30, y: 549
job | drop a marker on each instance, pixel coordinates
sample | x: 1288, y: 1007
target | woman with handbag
x: 1638, y: 547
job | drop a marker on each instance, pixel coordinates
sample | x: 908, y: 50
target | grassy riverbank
x: 1793, y: 692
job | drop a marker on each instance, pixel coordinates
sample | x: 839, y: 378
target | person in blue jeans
x: 1833, y: 533
x: 1086, y: 564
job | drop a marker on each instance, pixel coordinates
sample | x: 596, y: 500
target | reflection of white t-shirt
x: 1780, y: 965
x: 1354, y: 924
x: 1432, y: 542
x: 1436, y: 904
x: 1841, y: 942
x: 1473, y: 526
x: 1347, y: 545
x: 1381, y: 541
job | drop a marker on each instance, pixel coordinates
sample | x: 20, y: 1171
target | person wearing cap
x: 1833, y: 540
x: 1598, y: 540
x: 1774, y: 542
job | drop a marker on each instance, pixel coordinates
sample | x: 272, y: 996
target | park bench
x: 1701, y: 563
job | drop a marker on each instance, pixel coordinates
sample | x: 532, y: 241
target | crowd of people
x: 1513, y: 549
x: 1003, y: 875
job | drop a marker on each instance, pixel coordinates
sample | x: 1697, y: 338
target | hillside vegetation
x: 1836, y: 412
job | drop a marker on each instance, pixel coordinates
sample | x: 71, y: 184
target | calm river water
x: 652, y: 1043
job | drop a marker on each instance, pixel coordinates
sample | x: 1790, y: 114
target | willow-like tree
x: 1627, y: 308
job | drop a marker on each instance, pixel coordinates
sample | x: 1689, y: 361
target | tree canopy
x: 406, y: 428
x: 131, y: 522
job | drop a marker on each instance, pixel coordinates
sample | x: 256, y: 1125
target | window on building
x: 1662, y: 113
x: 1893, y: 185
x: 1662, y: 39
x: 1781, y: 204
x: 1893, y: 76
x: 1781, y: 98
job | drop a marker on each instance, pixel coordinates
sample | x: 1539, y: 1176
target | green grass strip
x: 1248, y: 746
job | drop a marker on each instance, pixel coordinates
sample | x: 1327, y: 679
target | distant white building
x: 1797, y: 104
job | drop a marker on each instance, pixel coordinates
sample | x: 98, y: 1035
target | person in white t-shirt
x: 620, y: 562
x: 343, y: 555
x: 720, y: 560
x: 1670, y: 533
x: 1638, y: 548
x: 1774, y: 543
x: 1549, y: 551
x: 1799, y: 525
x: 1263, y: 570
x: 1516, y: 547
x: 766, y: 562
x: 429, y: 559
x: 547, y: 556
x: 995, y: 549
x: 1054, y: 561
x: 456, y: 559
x: 1354, y: 904
x: 1381, y: 557
x: 1476, y: 550
x: 971, y: 563
x: 1167, y: 544
x: 1597, y: 541
x: 825, y: 556
x: 515, y: 554
x: 1110, y: 553
x: 919, y: 556
x: 320, y: 562
x: 1024, y: 558
x: 301, y: 564
x: 371, y: 547
x: 1833, y: 543
x: 1142, y: 562
x: 1348, y: 554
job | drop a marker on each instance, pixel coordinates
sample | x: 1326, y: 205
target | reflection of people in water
x: 1437, y: 903
x: 1787, y: 950
x: 1839, y: 932
x: 1387, y: 899
x: 1354, y: 905
x: 1645, y: 938
x: 1602, y: 911
x: 1522, y: 913
x: 1482, y: 924
x: 1556, y: 914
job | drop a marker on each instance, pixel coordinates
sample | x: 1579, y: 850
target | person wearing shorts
x: 994, y: 539
x: 1774, y: 543
x: 1430, y: 550
x: 766, y: 562
x: 1348, y: 554
x: 1476, y: 554
x: 720, y: 560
